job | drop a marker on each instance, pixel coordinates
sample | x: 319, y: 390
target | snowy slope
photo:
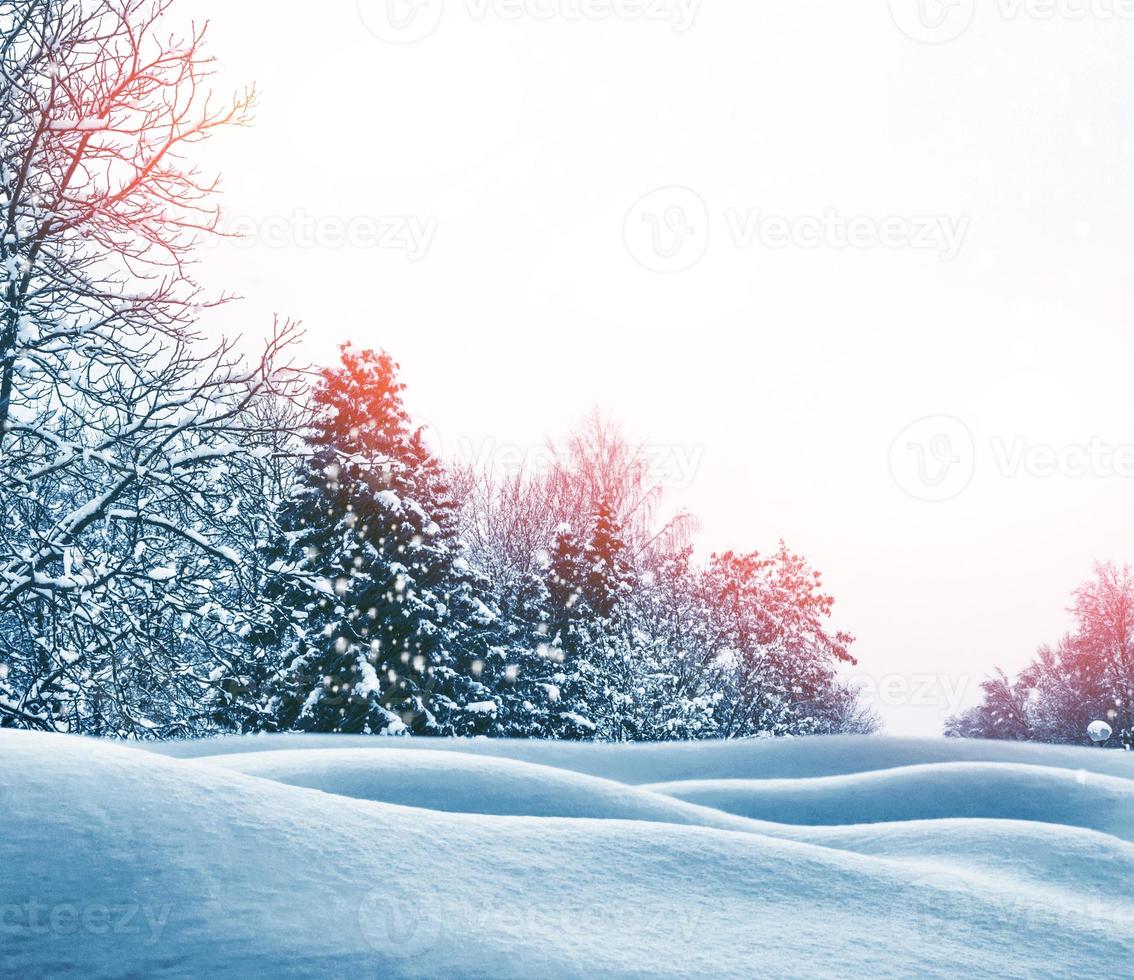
x: 460, y: 783
x: 997, y: 790
x: 116, y: 861
x: 796, y: 758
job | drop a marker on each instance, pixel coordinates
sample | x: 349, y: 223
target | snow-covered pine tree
x: 484, y: 661
x: 566, y: 578
x: 541, y: 695
x: 388, y: 629
x: 541, y: 689
x: 589, y: 585
x: 609, y: 575
x: 604, y: 638
x: 675, y: 689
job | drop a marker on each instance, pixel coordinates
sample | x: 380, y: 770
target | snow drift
x: 338, y: 857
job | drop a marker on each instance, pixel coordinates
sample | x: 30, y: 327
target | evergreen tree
x: 566, y: 576
x: 609, y: 576
x: 603, y: 636
x: 585, y: 586
x: 676, y: 691
x: 390, y: 632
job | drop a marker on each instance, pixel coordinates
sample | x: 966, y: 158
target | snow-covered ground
x: 341, y: 856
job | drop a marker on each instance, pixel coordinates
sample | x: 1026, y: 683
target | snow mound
x: 459, y: 783
x: 793, y: 758
x: 1082, y: 864
x: 120, y: 862
x: 1002, y: 791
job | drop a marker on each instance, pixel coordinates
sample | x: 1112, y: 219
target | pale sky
x: 502, y: 177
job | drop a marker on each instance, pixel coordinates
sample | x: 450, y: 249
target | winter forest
x: 290, y: 688
x: 195, y: 541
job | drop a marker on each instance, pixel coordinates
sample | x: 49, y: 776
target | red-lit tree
x: 1088, y: 676
x: 774, y: 658
x: 384, y: 625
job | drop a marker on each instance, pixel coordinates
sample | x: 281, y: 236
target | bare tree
x: 513, y: 518
x: 127, y: 443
